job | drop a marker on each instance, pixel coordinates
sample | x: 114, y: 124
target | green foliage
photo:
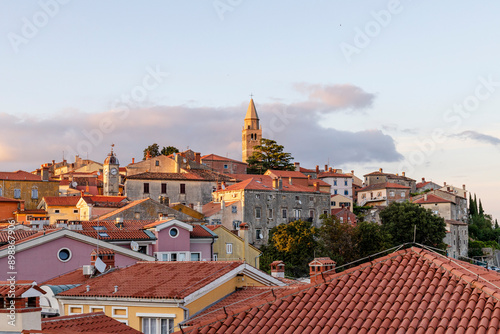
x: 475, y: 247
x: 269, y: 155
x: 338, y: 240
x: 400, y: 219
x: 420, y: 193
x: 360, y: 210
x: 371, y: 238
x: 154, y: 150
x: 169, y: 150
x: 293, y: 243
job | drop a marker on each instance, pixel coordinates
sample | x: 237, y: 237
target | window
x: 345, y: 183
x: 103, y: 234
x: 391, y: 194
x: 99, y: 228
x: 270, y: 214
x: 119, y: 312
x: 257, y: 212
x: 283, y: 213
x: 174, y: 232
x: 234, y: 209
x: 257, y: 196
x: 1, y: 191
x: 146, y: 188
x: 311, y: 213
x: 157, y: 162
x: 64, y: 255
x: 17, y: 193
x: 182, y: 188
x: 195, y: 256
x: 311, y: 199
x: 216, y: 256
x: 163, y: 188
x: 402, y: 195
x: 236, y: 224
x: 335, y: 192
x: 74, y: 309
x: 335, y: 182
x: 173, y: 257
x: 346, y: 192
x: 56, y: 211
x: 75, y: 211
x: 34, y: 193
x: 297, y: 213
x: 332, y: 203
x: 157, y: 325
x: 258, y: 234
x: 225, y: 167
x: 96, y: 309
x: 363, y: 196
x: 229, y: 248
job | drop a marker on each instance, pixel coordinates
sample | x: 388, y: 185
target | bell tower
x: 252, y: 132
x: 111, y: 175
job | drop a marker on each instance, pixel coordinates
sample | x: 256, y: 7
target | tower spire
x: 252, y: 133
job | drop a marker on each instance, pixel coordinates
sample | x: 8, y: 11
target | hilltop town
x: 174, y: 242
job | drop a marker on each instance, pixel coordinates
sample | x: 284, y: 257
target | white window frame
x: 75, y: 306
x: 191, y: 254
x: 229, y: 248
x: 115, y: 308
x: 157, y: 318
x: 94, y: 308
x: 159, y: 256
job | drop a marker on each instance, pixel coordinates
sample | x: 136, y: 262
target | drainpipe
x: 212, y: 249
x: 186, y: 313
x: 257, y: 258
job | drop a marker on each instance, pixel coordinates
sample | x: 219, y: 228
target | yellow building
x: 230, y: 247
x: 60, y: 208
x: 153, y: 295
x: 27, y: 187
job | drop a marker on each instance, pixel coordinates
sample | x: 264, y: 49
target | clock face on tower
x: 114, y: 171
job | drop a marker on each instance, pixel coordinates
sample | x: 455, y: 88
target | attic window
x: 99, y: 228
x: 103, y: 234
x: 64, y: 255
x: 174, y: 232
x: 157, y: 162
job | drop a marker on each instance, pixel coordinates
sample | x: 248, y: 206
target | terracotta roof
x: 19, y: 175
x: 32, y: 236
x: 100, y: 200
x: 422, y: 184
x: 124, y: 234
x: 431, y: 199
x: 409, y: 291
x: 285, y: 173
x: 455, y: 222
x: 61, y: 201
x: 209, y: 175
x: 385, y: 185
x: 264, y: 182
x: 20, y: 288
x: 126, y: 207
x: 321, y: 183
x: 96, y: 322
x: 201, y: 231
x: 306, y: 170
x: 73, y: 277
x: 333, y: 174
x: 193, y: 175
x: 155, y: 279
x: 18, y: 235
x: 6, y: 199
x: 212, y: 208
x: 220, y: 158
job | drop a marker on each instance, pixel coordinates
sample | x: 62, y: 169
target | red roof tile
x: 214, y: 157
x: 126, y: 207
x: 431, y: 199
x: 96, y: 322
x: 155, y: 279
x: 20, y: 288
x: 409, y: 291
x: 19, y: 175
x: 6, y: 199
x: 333, y: 174
x: 105, y: 200
x: 285, y: 173
x: 200, y: 231
x: 73, y: 277
x: 17, y: 235
x: 385, y: 185
x: 61, y: 201
x: 264, y: 182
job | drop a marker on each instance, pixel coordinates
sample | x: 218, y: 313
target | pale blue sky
x: 427, y: 58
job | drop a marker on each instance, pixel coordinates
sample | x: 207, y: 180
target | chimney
x: 290, y: 181
x: 116, y: 288
x: 280, y: 183
x: 380, y: 170
x: 243, y: 233
x: 316, y: 186
x: 403, y: 173
x: 53, y: 162
x: 275, y: 183
x: 45, y: 174
x: 317, y: 169
x: 423, y: 179
x: 177, y: 163
x: 330, y: 169
x: 197, y: 158
x: 222, y: 204
x: 278, y: 269
x: 133, y: 160
x: 106, y: 255
x: 297, y: 166
x: 352, y: 172
x: 326, y: 168
x: 319, y: 266
x: 444, y: 184
x: 463, y: 186
x: 119, y: 222
x: 425, y: 197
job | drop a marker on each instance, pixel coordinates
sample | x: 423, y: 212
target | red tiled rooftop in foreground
x: 155, y: 279
x: 95, y: 323
x: 409, y: 291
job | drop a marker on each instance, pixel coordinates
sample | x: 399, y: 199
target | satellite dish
x: 261, y: 236
x: 100, y: 265
x: 74, y: 184
x: 98, y: 173
x: 134, y: 246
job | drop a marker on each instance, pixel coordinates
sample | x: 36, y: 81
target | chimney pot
x: 278, y: 269
x: 297, y: 166
x: 116, y: 288
x: 423, y: 179
x: 444, y: 183
x: 317, y: 169
x: 330, y: 169
x: 290, y: 180
x: 463, y: 186
x: 380, y: 170
x: 425, y: 197
x: 197, y: 158
x: 133, y: 160
x: 403, y: 173
x: 326, y: 168
x: 88, y: 288
x: 316, y: 186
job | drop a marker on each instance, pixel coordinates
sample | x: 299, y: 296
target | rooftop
x: 409, y: 291
x: 385, y: 185
x: 431, y: 199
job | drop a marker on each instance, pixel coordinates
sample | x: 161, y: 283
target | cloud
x: 328, y: 98
x: 479, y: 137
x: 27, y: 142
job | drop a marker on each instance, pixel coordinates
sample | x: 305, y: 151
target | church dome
x: 111, y: 159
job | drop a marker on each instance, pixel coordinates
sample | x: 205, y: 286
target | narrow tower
x: 111, y: 175
x: 252, y: 133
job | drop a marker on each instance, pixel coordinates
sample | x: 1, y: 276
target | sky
x: 359, y: 85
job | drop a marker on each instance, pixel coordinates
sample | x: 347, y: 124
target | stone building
x: 341, y: 184
x: 383, y: 194
x: 381, y: 177
x: 251, y: 133
x: 457, y: 238
x: 263, y: 203
x: 111, y: 175
x: 224, y: 165
x: 27, y: 187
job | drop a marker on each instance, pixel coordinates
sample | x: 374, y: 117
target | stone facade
x: 251, y: 133
x: 457, y: 238
x: 27, y: 187
x: 381, y: 177
x: 224, y: 165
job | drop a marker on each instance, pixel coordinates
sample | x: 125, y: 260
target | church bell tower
x: 252, y: 132
x: 111, y: 175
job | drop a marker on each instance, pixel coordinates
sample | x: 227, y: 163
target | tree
x: 269, y: 155
x: 293, y: 243
x: 169, y: 150
x: 338, y: 240
x: 371, y: 238
x: 399, y: 221
x: 154, y: 151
